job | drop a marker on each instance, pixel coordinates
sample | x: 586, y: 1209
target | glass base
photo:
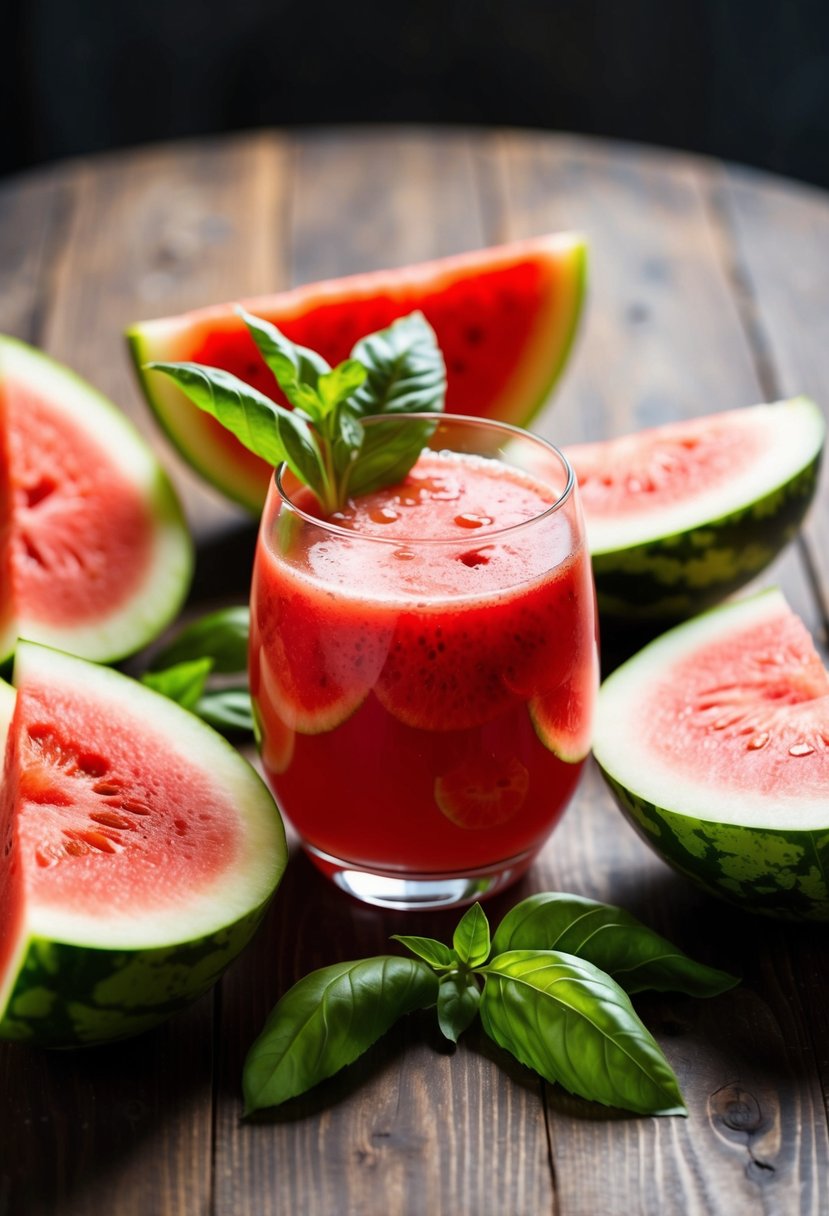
x: 389, y: 890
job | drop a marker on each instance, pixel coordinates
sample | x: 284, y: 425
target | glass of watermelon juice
x: 423, y: 664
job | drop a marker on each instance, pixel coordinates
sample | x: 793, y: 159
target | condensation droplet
x: 801, y: 749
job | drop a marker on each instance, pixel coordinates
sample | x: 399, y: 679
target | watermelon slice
x: 682, y: 515
x: 714, y: 740
x: 95, y: 555
x: 139, y: 853
x: 505, y: 319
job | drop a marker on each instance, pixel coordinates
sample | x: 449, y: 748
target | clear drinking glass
x: 423, y: 664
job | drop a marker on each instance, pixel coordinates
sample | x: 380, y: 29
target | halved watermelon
x: 505, y: 319
x: 94, y: 552
x: 682, y: 515
x: 139, y: 853
x: 714, y: 740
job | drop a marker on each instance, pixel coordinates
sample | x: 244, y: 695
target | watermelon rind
x: 764, y: 850
x: 671, y: 560
x: 154, y: 603
x: 235, y: 472
x: 76, y: 978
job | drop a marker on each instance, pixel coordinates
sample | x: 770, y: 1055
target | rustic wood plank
x: 154, y: 233
x: 781, y: 250
x: 33, y: 209
x: 665, y: 338
x: 124, y: 1128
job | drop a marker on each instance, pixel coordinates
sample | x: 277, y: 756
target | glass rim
x: 492, y: 424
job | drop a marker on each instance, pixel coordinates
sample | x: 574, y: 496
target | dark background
x: 744, y: 79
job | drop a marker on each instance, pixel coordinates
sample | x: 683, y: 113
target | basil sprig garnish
x: 554, y: 1008
x: 399, y: 370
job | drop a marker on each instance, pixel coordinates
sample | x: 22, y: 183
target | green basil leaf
x: 387, y: 454
x: 471, y: 938
x: 249, y: 414
x: 576, y: 1027
x: 458, y: 1000
x: 221, y: 636
x: 405, y: 370
x: 292, y: 365
x: 302, y: 454
x: 183, y: 682
x: 406, y: 374
x: 327, y: 1020
x: 436, y: 953
x: 612, y: 939
x: 226, y: 709
x: 338, y: 384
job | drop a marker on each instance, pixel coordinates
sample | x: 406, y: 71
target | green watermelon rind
x: 72, y: 996
x: 727, y: 842
x: 773, y: 872
x: 77, y: 979
x: 198, y: 439
x: 157, y: 601
x: 671, y: 577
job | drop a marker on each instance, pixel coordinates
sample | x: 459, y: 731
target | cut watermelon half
x: 715, y: 742
x: 95, y: 554
x: 139, y: 853
x: 682, y: 515
x: 505, y: 319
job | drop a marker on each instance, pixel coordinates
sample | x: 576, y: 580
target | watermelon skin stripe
x: 774, y: 872
x: 70, y: 996
x: 667, y: 580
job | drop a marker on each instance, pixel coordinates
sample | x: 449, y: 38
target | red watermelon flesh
x: 504, y: 318
x: 94, y: 551
x: 80, y: 534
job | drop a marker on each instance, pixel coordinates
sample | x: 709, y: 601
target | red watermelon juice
x: 423, y: 666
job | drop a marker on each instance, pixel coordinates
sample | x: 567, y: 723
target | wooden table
x: 709, y: 290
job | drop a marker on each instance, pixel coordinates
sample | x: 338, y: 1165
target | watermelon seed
x: 41, y: 489
x: 801, y: 749
x: 759, y: 740
x: 106, y: 788
x: 109, y: 819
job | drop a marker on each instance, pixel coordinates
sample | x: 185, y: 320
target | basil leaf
x: 576, y: 1027
x: 338, y: 384
x: 221, y: 636
x: 612, y: 939
x: 458, y: 1000
x: 471, y: 937
x: 387, y: 454
x: 226, y: 709
x: 406, y: 374
x: 436, y: 953
x: 327, y: 1020
x: 292, y: 365
x: 302, y: 454
x: 249, y: 414
x: 405, y: 371
x: 183, y: 683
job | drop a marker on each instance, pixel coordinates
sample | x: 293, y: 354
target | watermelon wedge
x: 714, y: 740
x: 139, y: 853
x: 505, y: 319
x: 682, y: 515
x: 94, y: 551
